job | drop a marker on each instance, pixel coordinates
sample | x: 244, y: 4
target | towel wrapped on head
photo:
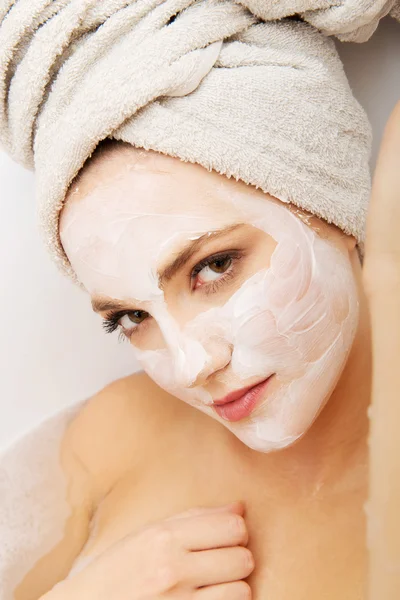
x: 224, y: 84
x: 348, y: 20
x: 221, y: 83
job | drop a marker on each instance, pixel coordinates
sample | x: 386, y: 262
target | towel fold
x: 348, y: 20
x: 236, y: 86
x: 222, y: 83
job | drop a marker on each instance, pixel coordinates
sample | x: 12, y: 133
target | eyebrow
x: 103, y: 305
x: 190, y: 250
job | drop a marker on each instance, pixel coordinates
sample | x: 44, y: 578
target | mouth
x: 240, y: 404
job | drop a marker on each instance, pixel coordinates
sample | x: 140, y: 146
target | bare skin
x: 138, y: 456
x: 382, y: 284
x: 299, y: 512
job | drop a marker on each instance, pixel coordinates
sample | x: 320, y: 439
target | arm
x: 382, y: 282
x: 56, y: 475
x: 69, y: 533
x: 96, y: 449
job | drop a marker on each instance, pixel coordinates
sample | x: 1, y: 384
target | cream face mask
x: 231, y: 302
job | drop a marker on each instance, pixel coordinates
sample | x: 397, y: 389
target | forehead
x: 146, y: 187
x: 125, y: 222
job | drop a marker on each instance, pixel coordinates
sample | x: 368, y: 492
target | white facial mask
x: 296, y: 319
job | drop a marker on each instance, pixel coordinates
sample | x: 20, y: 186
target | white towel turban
x: 233, y: 85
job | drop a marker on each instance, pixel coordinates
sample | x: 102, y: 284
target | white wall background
x: 53, y: 350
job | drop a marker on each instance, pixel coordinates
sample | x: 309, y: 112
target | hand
x: 196, y: 555
x: 382, y: 285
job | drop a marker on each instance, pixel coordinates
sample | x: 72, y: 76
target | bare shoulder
x: 118, y: 427
x: 115, y: 431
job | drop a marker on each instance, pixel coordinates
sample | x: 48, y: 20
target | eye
x: 135, y: 316
x: 214, y: 269
x: 127, y: 321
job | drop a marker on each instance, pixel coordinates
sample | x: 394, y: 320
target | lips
x: 238, y: 405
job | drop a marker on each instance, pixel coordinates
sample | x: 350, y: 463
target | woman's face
x: 219, y: 287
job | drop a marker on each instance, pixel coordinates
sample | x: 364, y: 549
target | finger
x: 208, y: 531
x: 382, y: 239
x: 234, y: 507
x: 236, y: 590
x: 212, y: 567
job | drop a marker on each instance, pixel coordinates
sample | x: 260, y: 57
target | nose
x: 194, y: 362
x: 195, y: 353
x: 219, y: 356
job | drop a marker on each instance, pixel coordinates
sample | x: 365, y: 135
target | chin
x: 267, y: 446
x: 267, y: 435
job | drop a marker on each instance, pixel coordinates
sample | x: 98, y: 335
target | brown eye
x: 137, y: 316
x: 212, y: 269
x: 134, y: 316
x: 220, y: 265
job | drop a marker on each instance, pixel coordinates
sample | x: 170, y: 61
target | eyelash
x: 111, y: 321
x: 211, y: 287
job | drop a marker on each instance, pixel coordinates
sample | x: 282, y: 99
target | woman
x: 248, y: 308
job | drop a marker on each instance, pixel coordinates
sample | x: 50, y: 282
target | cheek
x: 160, y: 366
x: 148, y: 338
x: 290, y: 318
x: 312, y: 335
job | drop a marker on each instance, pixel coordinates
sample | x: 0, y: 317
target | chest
x: 305, y: 547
